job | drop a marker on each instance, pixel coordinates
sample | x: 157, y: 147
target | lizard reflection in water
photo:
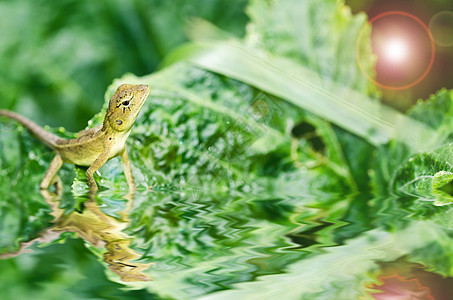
x: 94, y: 147
x: 100, y: 230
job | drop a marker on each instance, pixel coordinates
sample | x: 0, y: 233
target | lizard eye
x: 126, y: 103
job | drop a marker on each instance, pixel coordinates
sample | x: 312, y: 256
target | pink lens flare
x: 396, y: 51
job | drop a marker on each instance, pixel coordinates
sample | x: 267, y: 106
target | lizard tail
x: 47, y: 137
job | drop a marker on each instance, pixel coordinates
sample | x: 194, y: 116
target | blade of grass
x: 283, y: 78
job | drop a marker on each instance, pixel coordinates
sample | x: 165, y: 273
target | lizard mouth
x: 144, y: 96
x: 141, y: 99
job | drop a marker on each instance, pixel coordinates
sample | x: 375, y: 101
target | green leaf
x: 393, y: 165
x: 304, y: 88
x: 320, y: 35
x: 440, y: 179
x: 320, y: 39
x: 430, y: 171
x: 428, y: 175
x: 437, y: 113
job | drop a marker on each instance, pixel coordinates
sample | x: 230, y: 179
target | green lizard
x: 94, y: 147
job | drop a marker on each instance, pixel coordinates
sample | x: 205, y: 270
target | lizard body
x: 94, y: 147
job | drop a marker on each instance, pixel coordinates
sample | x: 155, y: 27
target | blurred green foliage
x: 58, y: 57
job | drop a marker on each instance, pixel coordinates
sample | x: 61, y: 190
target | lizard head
x: 125, y: 105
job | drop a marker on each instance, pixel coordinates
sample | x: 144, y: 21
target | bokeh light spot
x: 441, y: 27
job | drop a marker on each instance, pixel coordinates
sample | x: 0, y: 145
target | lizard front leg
x: 99, y: 162
x: 128, y: 170
x: 51, y: 172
